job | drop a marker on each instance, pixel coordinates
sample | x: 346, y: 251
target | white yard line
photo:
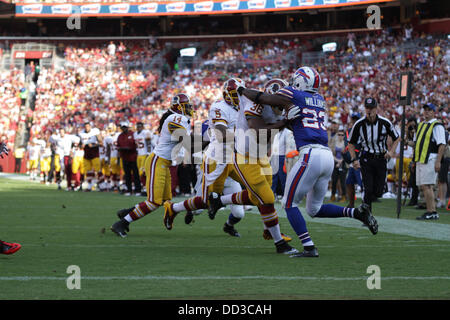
x: 196, y: 278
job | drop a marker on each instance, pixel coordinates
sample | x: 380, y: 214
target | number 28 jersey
x: 309, y: 127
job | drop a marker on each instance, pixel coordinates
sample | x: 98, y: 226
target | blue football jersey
x: 205, y: 126
x: 309, y: 127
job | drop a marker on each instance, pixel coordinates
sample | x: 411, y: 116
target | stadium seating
x: 104, y: 82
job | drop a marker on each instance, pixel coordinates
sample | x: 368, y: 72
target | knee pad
x: 237, y: 211
x: 312, y: 210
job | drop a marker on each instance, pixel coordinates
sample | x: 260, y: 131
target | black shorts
x: 443, y: 173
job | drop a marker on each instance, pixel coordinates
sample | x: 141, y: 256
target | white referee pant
x: 309, y: 177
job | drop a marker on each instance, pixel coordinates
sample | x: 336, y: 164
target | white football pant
x: 309, y: 177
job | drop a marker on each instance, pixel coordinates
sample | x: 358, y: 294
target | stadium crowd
x: 363, y: 65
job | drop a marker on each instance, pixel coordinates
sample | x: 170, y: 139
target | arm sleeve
x: 439, y: 134
x: 392, y: 131
x: 287, y: 92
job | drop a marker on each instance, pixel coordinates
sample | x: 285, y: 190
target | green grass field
x: 199, y: 261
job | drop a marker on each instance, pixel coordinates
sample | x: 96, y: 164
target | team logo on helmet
x: 182, y: 104
x: 272, y: 86
x: 230, y: 94
x: 306, y: 79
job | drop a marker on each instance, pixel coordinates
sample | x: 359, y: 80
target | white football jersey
x: 112, y: 142
x: 141, y: 141
x: 246, y: 141
x: 63, y: 145
x: 221, y: 113
x: 33, y: 151
x: 89, y: 137
x: 168, y: 138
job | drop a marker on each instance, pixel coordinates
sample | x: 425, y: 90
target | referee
x: 371, y: 133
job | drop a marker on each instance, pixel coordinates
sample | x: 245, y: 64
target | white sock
x: 128, y: 218
x: 227, y: 199
x: 275, y: 232
x: 179, y: 206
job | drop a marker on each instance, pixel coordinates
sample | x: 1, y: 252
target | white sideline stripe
x: 178, y: 278
x: 418, y: 229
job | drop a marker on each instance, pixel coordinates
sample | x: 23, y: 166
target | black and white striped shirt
x: 373, y: 136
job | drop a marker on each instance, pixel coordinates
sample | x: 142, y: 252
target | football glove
x: 3, y: 149
x: 292, y: 113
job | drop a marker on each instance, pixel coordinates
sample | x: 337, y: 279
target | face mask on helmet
x: 306, y: 79
x: 230, y: 94
x: 181, y: 104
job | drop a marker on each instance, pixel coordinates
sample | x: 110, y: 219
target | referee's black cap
x: 370, y: 103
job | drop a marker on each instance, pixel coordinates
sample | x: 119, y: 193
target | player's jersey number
x: 312, y: 119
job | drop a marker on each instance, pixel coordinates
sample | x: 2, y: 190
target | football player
x: 216, y: 165
x: 45, y: 157
x: 143, y: 140
x: 252, y: 164
x: 91, y: 141
x: 33, y: 158
x: 310, y: 175
x: 103, y: 181
x: 64, y: 143
x: 78, y: 170
x: 112, y: 153
x: 174, y: 128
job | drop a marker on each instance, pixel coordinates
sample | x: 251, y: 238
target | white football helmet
x: 306, y: 79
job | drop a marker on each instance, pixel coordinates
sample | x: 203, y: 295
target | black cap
x: 370, y: 103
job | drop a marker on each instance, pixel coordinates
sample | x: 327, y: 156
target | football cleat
x: 306, y: 254
x: 9, y: 248
x: 284, y: 248
x: 230, y: 230
x: 189, y: 217
x: 367, y: 218
x: 169, y: 215
x: 268, y: 236
x: 214, y: 205
x: 123, y: 213
x: 429, y: 216
x: 120, y: 228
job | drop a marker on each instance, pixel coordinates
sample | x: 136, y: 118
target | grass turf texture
x: 200, y: 261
